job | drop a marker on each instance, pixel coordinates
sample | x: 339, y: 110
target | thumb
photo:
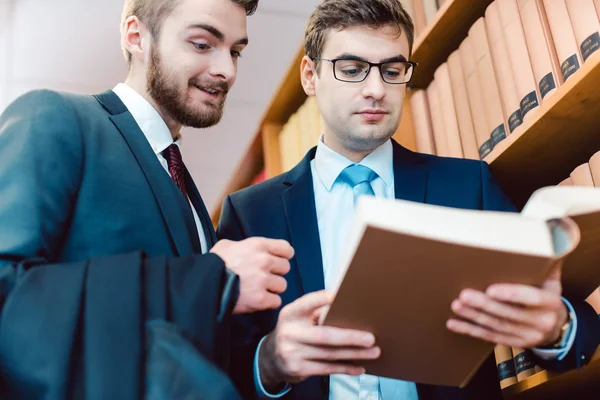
x: 553, y: 283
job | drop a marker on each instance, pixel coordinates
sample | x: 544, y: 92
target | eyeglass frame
x: 371, y: 65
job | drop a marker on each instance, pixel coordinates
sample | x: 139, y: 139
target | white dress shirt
x: 334, y: 202
x: 158, y: 135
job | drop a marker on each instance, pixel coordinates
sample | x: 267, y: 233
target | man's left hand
x: 511, y: 314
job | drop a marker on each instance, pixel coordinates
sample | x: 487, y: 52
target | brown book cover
x: 506, y: 366
x: 420, y: 19
x: 422, y: 122
x: 442, y: 78
x: 586, y: 26
x: 450, y: 244
x: 437, y: 120
x: 499, y: 51
x: 565, y: 43
x: 463, y: 109
x: 518, y: 56
x: 476, y: 102
x: 540, y: 45
x: 582, y: 176
x: 489, y: 85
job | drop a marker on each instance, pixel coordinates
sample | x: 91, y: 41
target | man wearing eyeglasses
x: 357, y: 67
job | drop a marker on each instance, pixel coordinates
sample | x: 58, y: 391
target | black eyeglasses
x: 393, y: 72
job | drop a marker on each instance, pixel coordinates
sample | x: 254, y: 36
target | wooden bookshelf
x: 443, y: 35
x: 563, y: 133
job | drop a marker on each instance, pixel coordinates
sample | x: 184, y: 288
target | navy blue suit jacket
x: 284, y: 208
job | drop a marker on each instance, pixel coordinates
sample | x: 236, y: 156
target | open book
x: 406, y: 262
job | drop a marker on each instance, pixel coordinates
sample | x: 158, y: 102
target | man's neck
x: 352, y: 155
x: 139, y: 85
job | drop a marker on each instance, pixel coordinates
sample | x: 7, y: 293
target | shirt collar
x: 148, y: 119
x: 330, y: 164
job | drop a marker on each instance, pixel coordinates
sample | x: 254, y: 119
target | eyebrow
x: 217, y: 33
x: 348, y: 56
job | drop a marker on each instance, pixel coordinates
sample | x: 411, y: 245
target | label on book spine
x: 569, y: 66
x: 528, y: 103
x: 498, y: 135
x: 485, y: 148
x: 590, y: 45
x: 547, y: 84
x: 523, y: 362
x: 515, y: 120
x: 506, y: 369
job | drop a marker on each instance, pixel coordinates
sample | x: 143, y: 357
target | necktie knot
x: 359, y: 178
x: 176, y: 167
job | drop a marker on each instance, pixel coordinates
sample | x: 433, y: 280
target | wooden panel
x: 563, y: 133
x: 443, y: 35
x: 271, y: 150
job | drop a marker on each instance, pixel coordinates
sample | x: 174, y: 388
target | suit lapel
x: 177, y: 215
x: 410, y: 175
x: 301, y: 214
x: 198, y: 204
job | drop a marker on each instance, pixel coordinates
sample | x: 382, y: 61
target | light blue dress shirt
x: 334, y: 202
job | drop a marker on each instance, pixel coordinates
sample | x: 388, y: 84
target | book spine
x: 463, y: 109
x: 431, y: 8
x: 437, y: 121
x: 499, y: 51
x: 420, y: 18
x: 524, y: 365
x: 422, y: 122
x: 506, y: 366
x: 442, y: 77
x: 586, y: 26
x: 518, y: 56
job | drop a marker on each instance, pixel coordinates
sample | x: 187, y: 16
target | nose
x: 374, y: 86
x: 222, y: 66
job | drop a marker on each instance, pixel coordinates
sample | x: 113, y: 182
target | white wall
x: 73, y: 45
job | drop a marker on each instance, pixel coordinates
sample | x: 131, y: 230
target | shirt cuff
x: 560, y: 353
x: 260, y: 390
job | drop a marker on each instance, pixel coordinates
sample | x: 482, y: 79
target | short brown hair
x: 340, y: 14
x: 153, y: 12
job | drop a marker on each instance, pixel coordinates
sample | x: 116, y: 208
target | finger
x: 484, y: 319
x: 269, y: 302
x: 306, y: 305
x: 331, y: 354
x: 553, y: 281
x: 328, y: 336
x: 523, y: 295
x: 276, y: 284
x: 478, y: 332
x: 278, y: 265
x: 320, y: 368
x: 317, y: 314
x: 500, y: 310
x: 277, y: 247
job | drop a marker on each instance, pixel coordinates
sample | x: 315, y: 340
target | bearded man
x: 112, y: 282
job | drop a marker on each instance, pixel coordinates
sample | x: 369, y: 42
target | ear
x: 133, y: 38
x: 308, y: 75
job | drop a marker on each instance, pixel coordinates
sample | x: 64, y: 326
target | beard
x: 176, y: 103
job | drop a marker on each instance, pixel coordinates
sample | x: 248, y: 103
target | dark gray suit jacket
x: 95, y: 241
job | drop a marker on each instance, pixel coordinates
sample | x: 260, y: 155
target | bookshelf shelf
x: 563, y: 133
x: 575, y: 384
x: 443, y: 35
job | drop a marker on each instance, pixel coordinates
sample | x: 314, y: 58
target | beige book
x: 442, y: 78
x: 409, y: 7
x: 437, y: 120
x: 484, y: 142
x: 489, y: 85
x: 566, y: 182
x: 582, y: 176
x: 556, y: 224
x: 586, y: 26
x: 422, y: 122
x: 499, y: 51
x: 524, y: 365
x: 305, y: 128
x: 540, y: 45
x: 430, y: 7
x: 505, y: 366
x: 564, y: 37
x: 594, y: 167
x: 518, y: 56
x: 420, y: 18
x: 463, y: 109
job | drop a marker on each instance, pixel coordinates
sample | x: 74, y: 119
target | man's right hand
x: 299, y: 348
x: 260, y: 264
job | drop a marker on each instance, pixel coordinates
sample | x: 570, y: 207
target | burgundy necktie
x: 176, y: 167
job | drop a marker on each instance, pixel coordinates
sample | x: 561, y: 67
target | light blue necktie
x: 359, y: 178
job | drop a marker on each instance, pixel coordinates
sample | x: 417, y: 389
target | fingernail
x: 368, y: 339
